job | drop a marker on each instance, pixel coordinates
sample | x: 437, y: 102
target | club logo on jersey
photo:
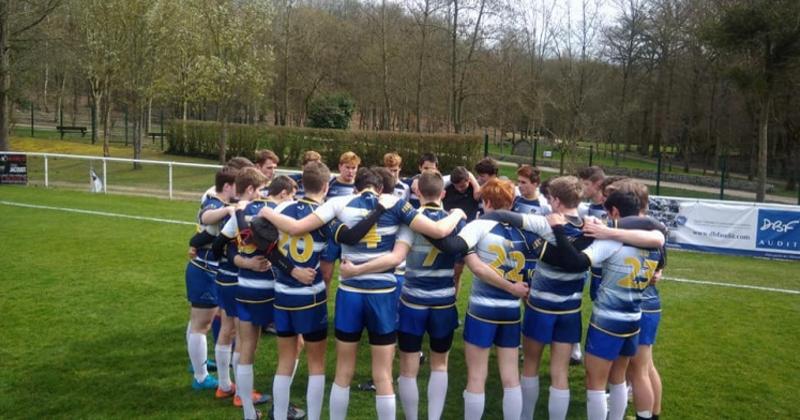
x: 778, y: 229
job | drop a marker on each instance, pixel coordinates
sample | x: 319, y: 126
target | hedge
x: 200, y: 139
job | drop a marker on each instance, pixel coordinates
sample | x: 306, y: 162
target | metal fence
x: 173, y: 180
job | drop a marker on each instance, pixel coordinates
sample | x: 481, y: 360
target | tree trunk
x: 46, y: 80
x: 763, y: 143
x: 60, y: 98
x: 107, y: 122
x: 223, y: 139
x: 148, y: 126
x: 137, y: 134
x: 5, y: 75
x: 453, y: 63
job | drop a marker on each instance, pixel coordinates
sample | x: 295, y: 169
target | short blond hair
x: 311, y: 156
x: 392, y: 159
x: 265, y: 155
x: 567, y: 189
x: 349, y: 158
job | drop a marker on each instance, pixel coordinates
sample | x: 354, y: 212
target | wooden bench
x: 156, y: 134
x: 70, y: 129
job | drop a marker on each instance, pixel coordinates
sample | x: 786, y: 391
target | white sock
x: 576, y: 351
x: 437, y: 392
x: 512, y: 403
x: 617, y: 401
x: 235, y: 364
x: 198, y: 353
x: 280, y: 395
x: 530, y: 395
x: 244, y: 377
x: 409, y: 396
x: 188, y: 331
x: 473, y: 405
x: 223, y: 356
x: 314, y: 395
x: 386, y: 407
x: 340, y: 399
x: 646, y: 414
x: 558, y: 404
x: 596, y: 408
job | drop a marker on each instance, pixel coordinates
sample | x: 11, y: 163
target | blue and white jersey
x: 377, y: 242
x: 523, y: 205
x: 254, y: 286
x: 304, y: 251
x: 429, y: 272
x: 651, y: 300
x: 626, y: 273
x: 594, y: 210
x: 227, y: 271
x: 298, y: 179
x: 337, y: 188
x: 553, y: 290
x: 204, y: 256
x: 402, y: 191
x: 507, y: 250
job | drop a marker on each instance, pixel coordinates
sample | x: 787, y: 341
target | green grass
x: 94, y: 316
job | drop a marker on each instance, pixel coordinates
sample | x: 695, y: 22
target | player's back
x: 300, y: 192
x: 254, y: 285
x: 506, y: 249
x: 379, y: 241
x: 429, y: 273
x: 554, y: 290
x: 204, y: 255
x: 626, y: 274
x: 304, y: 251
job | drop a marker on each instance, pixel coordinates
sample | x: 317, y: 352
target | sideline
x: 181, y: 222
x: 97, y: 213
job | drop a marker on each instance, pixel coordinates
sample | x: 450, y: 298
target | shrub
x: 330, y: 111
x: 199, y: 139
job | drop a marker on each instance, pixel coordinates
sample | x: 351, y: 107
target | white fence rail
x: 118, y: 175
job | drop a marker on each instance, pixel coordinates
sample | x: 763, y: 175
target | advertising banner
x: 730, y: 227
x: 13, y: 169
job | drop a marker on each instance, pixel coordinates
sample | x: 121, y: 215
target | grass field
x: 94, y: 316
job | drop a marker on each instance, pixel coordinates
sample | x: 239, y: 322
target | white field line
x: 181, y: 222
x: 738, y: 286
x: 97, y: 213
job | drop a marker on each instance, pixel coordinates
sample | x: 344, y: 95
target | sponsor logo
x: 778, y: 229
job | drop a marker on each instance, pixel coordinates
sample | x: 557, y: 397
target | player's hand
x: 592, y: 220
x: 347, y: 269
x: 415, y: 187
x: 656, y: 277
x: 597, y: 230
x: 304, y: 275
x: 258, y: 263
x: 519, y: 289
x: 460, y: 213
x: 231, y: 211
x: 192, y: 252
x: 387, y: 200
x: 556, y: 219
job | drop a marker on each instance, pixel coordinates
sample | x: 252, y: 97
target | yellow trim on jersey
x: 541, y: 255
x: 300, y: 308
x: 193, y: 262
x: 368, y: 291
x: 494, y: 322
x: 255, y: 301
x: 418, y: 306
x: 651, y: 311
x: 614, y: 334
x: 336, y: 234
x: 597, y: 275
x: 236, y: 283
x: 545, y: 311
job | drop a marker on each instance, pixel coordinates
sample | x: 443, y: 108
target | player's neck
x: 318, y: 197
x: 431, y: 203
x: 570, y: 212
x: 534, y: 196
x: 341, y: 180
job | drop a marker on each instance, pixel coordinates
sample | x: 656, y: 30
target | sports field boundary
x: 182, y: 222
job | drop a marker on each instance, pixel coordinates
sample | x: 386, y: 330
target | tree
x: 16, y: 18
x: 762, y: 40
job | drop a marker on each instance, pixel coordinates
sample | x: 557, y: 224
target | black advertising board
x: 13, y: 169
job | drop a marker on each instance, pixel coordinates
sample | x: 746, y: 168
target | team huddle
x: 264, y: 253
